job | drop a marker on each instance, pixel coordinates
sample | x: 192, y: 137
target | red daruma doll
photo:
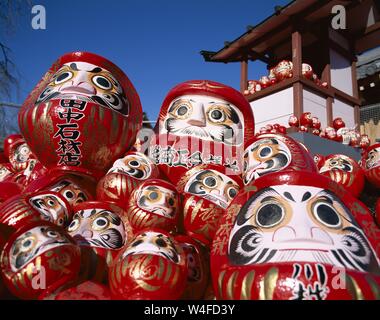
x: 97, y: 227
x: 37, y: 257
x: 82, y: 116
x: 268, y: 153
x: 296, y: 236
x: 155, y: 203
x: 207, y: 192
x: 151, y: 267
x: 345, y: 171
x: 125, y: 176
x: 371, y: 164
x: 201, y: 122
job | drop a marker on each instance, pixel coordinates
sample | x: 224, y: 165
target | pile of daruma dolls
x: 283, y: 70
x: 202, y: 208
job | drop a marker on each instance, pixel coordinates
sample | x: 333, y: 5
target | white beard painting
x: 206, y: 118
x: 299, y: 224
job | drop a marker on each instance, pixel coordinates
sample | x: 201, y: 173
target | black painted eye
x: 27, y: 244
x: 232, y: 192
x: 153, y: 195
x: 60, y: 222
x: 51, y: 202
x: 269, y: 215
x: 171, y: 202
x: 334, y: 163
x: 62, y: 77
x: 347, y: 167
x: 52, y: 234
x: 245, y: 166
x: 265, y: 152
x: 327, y: 215
x: 100, y: 223
x: 210, y: 182
x: 182, y: 111
x: 136, y: 243
x: 68, y: 195
x: 216, y: 115
x: 73, y: 225
x: 134, y: 163
x: 161, y: 243
x: 102, y: 82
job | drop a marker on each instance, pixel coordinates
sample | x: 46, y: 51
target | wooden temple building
x: 302, y: 31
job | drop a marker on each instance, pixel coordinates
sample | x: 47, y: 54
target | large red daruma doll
x: 296, y: 235
x: 82, y: 116
x: 345, y: 171
x: 371, y: 164
x: 151, y: 267
x: 207, y: 192
x: 37, y: 257
x: 268, y: 153
x: 201, y: 122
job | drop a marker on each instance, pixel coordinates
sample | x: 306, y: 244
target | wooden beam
x: 357, y: 116
x: 355, y: 91
x: 243, y: 76
x: 297, y: 53
x: 329, y: 110
x: 298, y: 99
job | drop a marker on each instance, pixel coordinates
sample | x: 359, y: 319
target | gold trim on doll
x: 299, y: 223
x: 340, y: 162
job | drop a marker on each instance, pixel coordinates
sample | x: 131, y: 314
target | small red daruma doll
x: 154, y: 204
x: 39, y: 206
x: 284, y: 70
x: 288, y: 237
x: 306, y: 120
x: 265, y: 82
x: 36, y: 257
x: 207, y: 192
x: 307, y: 71
x: 125, y: 176
x: 293, y: 121
x: 151, y: 267
x: 6, y: 171
x: 98, y: 229
x: 319, y: 159
x: 316, y: 124
x: 268, y: 153
x: 338, y: 123
x: 344, y: 171
x: 371, y: 164
x: 197, y: 263
x: 365, y: 142
x: 201, y: 122
x: 331, y: 133
x: 19, y: 154
x: 82, y: 116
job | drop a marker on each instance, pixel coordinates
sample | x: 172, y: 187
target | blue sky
x: 156, y: 43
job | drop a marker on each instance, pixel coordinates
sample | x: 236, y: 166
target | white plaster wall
x: 345, y: 111
x: 315, y: 104
x: 275, y: 108
x: 341, y: 77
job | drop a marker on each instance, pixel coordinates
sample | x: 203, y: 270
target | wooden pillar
x: 243, y: 76
x: 326, y: 72
x: 297, y: 72
x: 355, y: 93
